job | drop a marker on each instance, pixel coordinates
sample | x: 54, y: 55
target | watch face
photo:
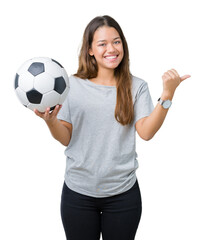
x: 167, y: 104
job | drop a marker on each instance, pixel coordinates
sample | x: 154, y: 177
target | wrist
x: 167, y: 95
x: 51, y: 122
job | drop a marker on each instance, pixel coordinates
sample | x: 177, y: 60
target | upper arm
x: 67, y: 125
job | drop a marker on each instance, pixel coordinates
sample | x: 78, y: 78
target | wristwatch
x: 165, y: 103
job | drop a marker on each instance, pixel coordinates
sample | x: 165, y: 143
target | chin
x: 112, y: 66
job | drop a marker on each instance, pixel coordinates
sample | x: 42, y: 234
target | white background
x: 161, y: 35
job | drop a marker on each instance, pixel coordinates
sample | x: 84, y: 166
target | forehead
x: 105, y: 33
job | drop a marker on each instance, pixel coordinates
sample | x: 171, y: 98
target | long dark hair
x: 88, y: 68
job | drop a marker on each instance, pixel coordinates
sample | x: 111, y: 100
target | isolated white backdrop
x: 161, y: 34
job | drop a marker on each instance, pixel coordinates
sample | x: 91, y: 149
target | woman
x: 97, y: 123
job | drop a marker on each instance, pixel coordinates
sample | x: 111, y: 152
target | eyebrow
x: 105, y: 40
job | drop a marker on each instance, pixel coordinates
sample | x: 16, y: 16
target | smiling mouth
x: 111, y: 57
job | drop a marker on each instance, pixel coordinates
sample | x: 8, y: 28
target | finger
x: 185, y: 77
x: 56, y: 110
x: 171, y: 74
x: 175, y: 72
x: 166, y: 76
x: 60, y: 106
x: 47, y: 112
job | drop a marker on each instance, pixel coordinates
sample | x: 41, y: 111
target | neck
x: 106, y: 76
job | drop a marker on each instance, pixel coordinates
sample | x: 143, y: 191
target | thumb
x: 184, y: 77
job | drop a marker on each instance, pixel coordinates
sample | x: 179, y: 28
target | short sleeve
x: 143, y: 105
x: 64, y: 113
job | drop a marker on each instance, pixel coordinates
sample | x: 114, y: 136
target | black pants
x: 116, y: 217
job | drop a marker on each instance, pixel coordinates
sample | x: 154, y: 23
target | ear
x: 91, y: 52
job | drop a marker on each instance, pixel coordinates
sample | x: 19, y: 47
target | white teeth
x: 111, y: 57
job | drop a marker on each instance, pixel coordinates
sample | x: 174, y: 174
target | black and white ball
x: 40, y: 83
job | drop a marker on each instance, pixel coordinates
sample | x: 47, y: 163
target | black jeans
x: 116, y: 217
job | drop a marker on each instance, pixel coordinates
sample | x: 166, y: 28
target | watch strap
x: 162, y: 102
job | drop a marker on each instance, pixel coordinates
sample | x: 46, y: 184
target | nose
x: 110, y: 48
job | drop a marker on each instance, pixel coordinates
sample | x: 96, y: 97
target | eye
x: 102, y: 44
x: 117, y: 42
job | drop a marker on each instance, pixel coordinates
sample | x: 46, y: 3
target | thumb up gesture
x: 171, y: 81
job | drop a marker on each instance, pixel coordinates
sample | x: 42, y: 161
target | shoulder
x: 75, y: 81
x: 73, y: 78
x: 137, y: 82
x: 138, y: 85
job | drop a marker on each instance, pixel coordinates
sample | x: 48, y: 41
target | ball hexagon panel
x: 53, y: 69
x: 44, y: 83
x: 36, y: 68
x: 65, y: 76
x: 34, y: 96
x: 22, y: 96
x: 60, y: 85
x: 25, y: 81
x: 39, y: 107
x: 24, y: 67
x: 50, y: 99
x: 64, y: 95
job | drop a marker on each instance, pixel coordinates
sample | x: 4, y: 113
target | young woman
x: 97, y: 123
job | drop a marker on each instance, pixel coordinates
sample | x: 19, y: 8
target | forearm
x: 59, y: 131
x: 154, y: 121
x: 148, y: 126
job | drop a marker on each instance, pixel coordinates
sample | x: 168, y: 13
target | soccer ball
x: 41, y: 82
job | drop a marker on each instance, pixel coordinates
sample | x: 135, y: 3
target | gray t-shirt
x: 101, y: 157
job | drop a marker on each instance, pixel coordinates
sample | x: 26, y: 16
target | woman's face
x: 107, y: 48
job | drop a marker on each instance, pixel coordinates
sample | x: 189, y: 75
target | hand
x: 171, y: 81
x: 47, y: 115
